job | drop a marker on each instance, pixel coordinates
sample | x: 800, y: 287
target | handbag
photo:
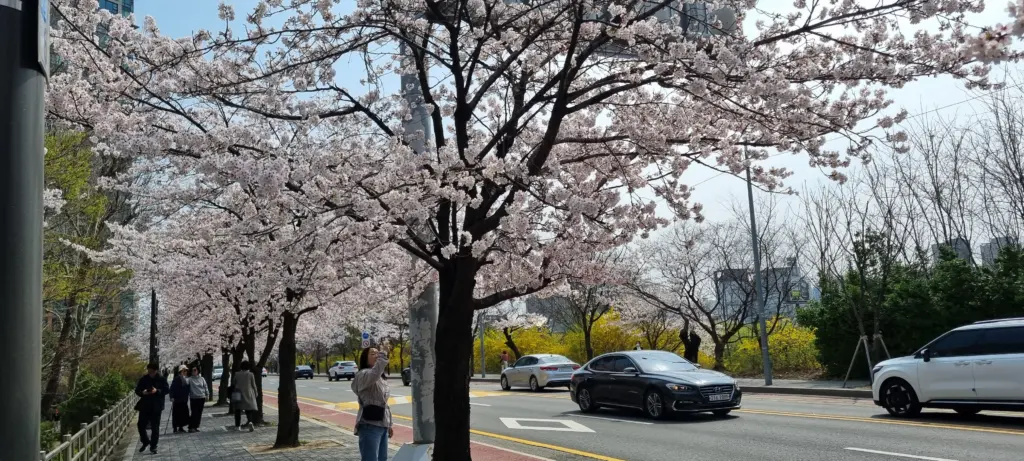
x: 373, y: 413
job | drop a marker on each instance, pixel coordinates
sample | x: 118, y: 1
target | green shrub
x: 94, y: 395
x: 49, y: 438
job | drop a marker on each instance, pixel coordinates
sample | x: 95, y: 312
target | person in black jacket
x: 179, y: 400
x: 151, y: 389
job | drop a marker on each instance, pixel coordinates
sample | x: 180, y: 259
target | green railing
x: 97, y: 440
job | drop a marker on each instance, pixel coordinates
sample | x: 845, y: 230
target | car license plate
x: 718, y: 397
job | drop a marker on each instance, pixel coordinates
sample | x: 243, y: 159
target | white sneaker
x: 252, y: 427
x: 238, y: 428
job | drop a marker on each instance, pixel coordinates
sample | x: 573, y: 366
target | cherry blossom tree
x: 511, y: 317
x: 541, y: 144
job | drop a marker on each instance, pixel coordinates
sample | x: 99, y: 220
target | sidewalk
x: 219, y: 441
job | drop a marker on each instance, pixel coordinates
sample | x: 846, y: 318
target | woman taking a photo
x: 373, y: 422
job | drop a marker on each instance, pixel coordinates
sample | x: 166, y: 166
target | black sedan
x: 303, y: 371
x: 406, y: 376
x: 657, y: 382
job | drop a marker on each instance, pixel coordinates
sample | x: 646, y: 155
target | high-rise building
x: 122, y: 7
x: 961, y: 248
x: 990, y: 251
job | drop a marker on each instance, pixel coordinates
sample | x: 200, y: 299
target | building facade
x: 122, y: 7
x: 990, y: 250
x: 961, y: 248
x: 785, y: 288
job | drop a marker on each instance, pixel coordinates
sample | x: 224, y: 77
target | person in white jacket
x: 198, y: 394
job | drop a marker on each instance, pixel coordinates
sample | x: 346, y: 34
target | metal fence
x: 95, y: 441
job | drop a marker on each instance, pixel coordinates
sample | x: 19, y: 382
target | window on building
x: 108, y: 5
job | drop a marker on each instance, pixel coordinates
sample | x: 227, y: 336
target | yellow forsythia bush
x: 791, y: 347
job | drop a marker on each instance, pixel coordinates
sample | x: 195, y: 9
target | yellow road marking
x: 532, y: 443
x: 883, y: 421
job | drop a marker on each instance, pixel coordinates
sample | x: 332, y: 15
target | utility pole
x: 422, y: 312
x: 24, y: 64
x: 758, y: 284
x: 483, y: 354
x: 154, y: 331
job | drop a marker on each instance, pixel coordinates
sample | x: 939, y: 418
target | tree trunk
x: 454, y: 346
x: 76, y: 355
x: 59, y: 355
x: 225, y: 372
x: 720, y: 355
x: 236, y: 364
x: 261, y: 362
x: 511, y: 343
x: 587, y: 344
x: 288, y: 405
x: 206, y: 370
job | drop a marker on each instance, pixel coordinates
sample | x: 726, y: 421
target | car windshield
x: 348, y: 364
x: 664, y: 361
x: 554, y: 359
x: 303, y: 367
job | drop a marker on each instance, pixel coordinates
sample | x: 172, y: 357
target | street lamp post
x: 24, y: 62
x: 759, y: 285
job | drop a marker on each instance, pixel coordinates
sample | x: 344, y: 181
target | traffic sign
x: 366, y: 335
x: 365, y: 343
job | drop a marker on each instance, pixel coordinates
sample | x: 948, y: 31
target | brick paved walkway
x: 219, y: 441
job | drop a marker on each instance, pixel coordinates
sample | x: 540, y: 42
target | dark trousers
x: 250, y: 416
x: 179, y: 415
x: 151, y: 419
x: 197, y: 413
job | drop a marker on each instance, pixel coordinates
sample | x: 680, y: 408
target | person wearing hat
x: 179, y: 400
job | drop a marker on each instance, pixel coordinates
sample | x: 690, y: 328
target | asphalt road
x: 770, y: 427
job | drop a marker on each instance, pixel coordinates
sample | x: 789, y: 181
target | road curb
x: 812, y: 391
x: 485, y: 380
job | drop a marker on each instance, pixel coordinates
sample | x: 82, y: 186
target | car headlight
x: 679, y: 387
x: 876, y: 369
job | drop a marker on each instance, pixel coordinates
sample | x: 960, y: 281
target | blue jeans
x: 373, y: 442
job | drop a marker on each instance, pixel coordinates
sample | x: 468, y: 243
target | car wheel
x: 967, y: 411
x: 350, y: 378
x: 899, y: 399
x: 534, y: 386
x: 405, y: 383
x: 721, y: 413
x: 504, y: 383
x: 586, y: 401
x: 654, y: 405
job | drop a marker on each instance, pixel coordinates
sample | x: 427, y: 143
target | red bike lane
x: 403, y: 433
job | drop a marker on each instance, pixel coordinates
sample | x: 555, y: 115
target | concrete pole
x: 154, y: 331
x: 423, y: 312
x: 23, y: 65
x: 483, y: 353
x: 758, y: 285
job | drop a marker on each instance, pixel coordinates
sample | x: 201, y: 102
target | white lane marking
x: 900, y: 455
x: 567, y: 426
x: 325, y: 388
x: 400, y: 400
x: 479, y: 404
x: 610, y: 419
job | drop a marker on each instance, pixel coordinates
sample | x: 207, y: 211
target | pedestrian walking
x: 504, y: 360
x: 179, y: 400
x: 243, y: 396
x: 197, y: 394
x: 637, y: 347
x: 151, y: 389
x: 373, y: 421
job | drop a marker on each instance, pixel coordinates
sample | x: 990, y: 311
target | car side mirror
x: 629, y: 370
x: 697, y: 365
x: 926, y: 355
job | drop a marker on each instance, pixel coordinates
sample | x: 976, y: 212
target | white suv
x: 341, y: 370
x: 969, y: 369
